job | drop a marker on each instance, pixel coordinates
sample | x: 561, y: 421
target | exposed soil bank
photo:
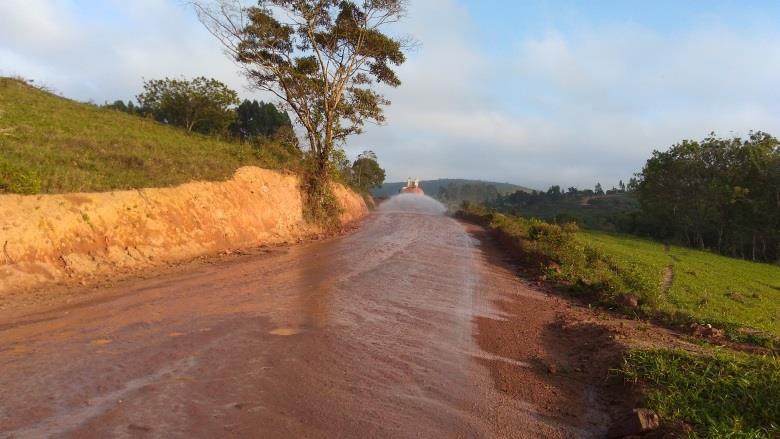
x: 47, y: 239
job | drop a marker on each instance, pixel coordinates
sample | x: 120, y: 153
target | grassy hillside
x: 432, y: 187
x: 675, y: 284
x: 50, y: 144
x: 685, y: 284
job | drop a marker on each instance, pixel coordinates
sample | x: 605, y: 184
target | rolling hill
x: 50, y: 144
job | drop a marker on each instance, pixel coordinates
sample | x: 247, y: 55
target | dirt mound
x: 52, y: 238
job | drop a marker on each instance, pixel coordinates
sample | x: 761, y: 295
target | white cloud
x: 102, y: 50
x: 578, y: 107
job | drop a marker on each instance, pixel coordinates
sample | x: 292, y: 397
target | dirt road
x: 408, y: 327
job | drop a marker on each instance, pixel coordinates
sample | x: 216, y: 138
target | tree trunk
x: 763, y: 248
x: 754, y: 245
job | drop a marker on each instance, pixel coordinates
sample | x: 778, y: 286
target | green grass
x: 50, y: 144
x: 706, y: 288
x: 721, y: 394
x: 740, y: 297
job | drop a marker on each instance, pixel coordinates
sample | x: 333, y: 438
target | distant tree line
x: 589, y: 208
x: 720, y: 194
x: 520, y: 199
x: 207, y: 106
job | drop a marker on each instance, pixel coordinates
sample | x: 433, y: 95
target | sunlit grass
x: 722, y: 394
x: 51, y: 144
x: 706, y: 288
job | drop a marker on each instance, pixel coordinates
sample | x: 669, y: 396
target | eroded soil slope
x: 51, y: 238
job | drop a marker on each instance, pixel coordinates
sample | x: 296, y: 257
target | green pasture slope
x: 717, y: 393
x: 713, y: 392
x: 49, y: 144
x: 683, y: 284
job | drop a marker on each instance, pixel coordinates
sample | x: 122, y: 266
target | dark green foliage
x: 721, y: 194
x: 366, y: 173
x: 129, y: 107
x: 255, y: 119
x: 723, y: 394
x: 600, y: 212
x: 200, y: 105
x: 716, y: 194
x: 320, y: 206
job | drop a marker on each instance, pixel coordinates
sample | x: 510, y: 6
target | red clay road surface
x: 396, y: 330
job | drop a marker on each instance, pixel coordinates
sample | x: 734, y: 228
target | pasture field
x: 692, y: 285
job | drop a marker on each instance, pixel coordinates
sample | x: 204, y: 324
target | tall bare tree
x: 320, y: 57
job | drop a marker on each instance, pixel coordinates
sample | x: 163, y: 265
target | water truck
x: 412, y: 187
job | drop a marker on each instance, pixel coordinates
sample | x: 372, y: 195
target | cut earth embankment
x: 48, y: 239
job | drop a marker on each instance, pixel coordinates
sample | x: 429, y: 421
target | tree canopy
x: 255, y: 119
x: 366, y: 173
x: 322, y: 58
x: 716, y: 193
x: 203, y: 105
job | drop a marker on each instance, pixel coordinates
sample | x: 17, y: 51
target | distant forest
x: 717, y: 194
x: 590, y: 208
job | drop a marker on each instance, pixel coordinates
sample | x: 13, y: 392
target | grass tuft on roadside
x: 720, y: 394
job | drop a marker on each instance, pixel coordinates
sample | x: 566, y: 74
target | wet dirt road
x: 373, y: 334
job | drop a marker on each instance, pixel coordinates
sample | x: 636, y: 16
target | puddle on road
x: 286, y: 332
x: 22, y: 350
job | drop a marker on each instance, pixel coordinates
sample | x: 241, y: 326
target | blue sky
x: 531, y: 92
